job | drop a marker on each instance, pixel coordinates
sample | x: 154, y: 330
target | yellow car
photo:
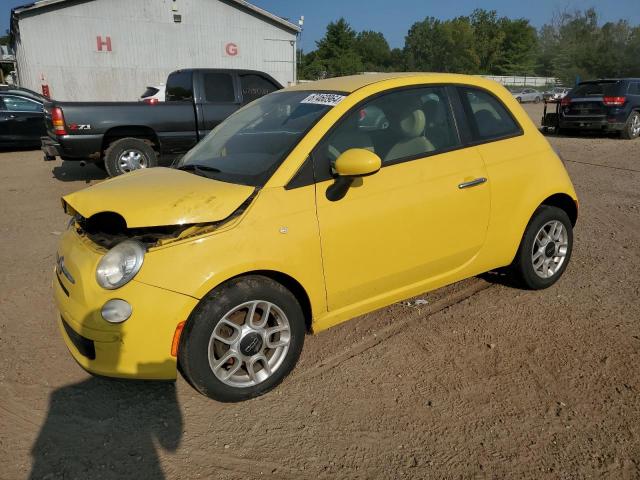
x: 306, y: 208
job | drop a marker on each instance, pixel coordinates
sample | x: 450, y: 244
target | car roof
x: 25, y: 92
x: 352, y: 83
x: 628, y: 79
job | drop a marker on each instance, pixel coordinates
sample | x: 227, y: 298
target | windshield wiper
x: 202, y: 170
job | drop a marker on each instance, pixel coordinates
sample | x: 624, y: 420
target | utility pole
x: 300, y: 24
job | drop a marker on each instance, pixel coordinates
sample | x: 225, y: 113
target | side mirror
x: 352, y: 164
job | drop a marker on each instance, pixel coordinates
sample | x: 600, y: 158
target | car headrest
x: 434, y: 112
x: 411, y: 125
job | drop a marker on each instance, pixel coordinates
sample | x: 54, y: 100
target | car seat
x: 410, y: 129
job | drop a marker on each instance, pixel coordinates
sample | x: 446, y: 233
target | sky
x: 393, y: 18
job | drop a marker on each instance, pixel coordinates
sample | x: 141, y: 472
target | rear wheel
x: 129, y: 154
x: 545, y: 249
x: 632, y: 128
x: 242, y: 339
x: 538, y: 100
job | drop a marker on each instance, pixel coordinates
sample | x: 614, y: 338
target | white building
x: 112, y: 49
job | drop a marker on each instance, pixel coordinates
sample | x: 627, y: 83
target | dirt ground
x: 483, y: 381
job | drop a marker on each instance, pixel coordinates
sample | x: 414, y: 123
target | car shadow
x: 108, y: 429
x: 73, y: 172
x: 579, y: 134
x: 25, y: 148
x: 501, y: 276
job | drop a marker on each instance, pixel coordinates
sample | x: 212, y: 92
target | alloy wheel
x: 635, y: 126
x: 249, y: 344
x: 550, y: 249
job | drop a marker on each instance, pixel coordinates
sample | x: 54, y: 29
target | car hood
x: 159, y: 197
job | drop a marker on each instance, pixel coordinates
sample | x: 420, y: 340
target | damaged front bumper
x: 140, y: 347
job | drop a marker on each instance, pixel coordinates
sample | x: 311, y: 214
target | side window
x: 179, y: 87
x: 634, y: 88
x: 218, y: 88
x: 396, y: 126
x: 489, y: 117
x: 254, y: 86
x: 19, y: 104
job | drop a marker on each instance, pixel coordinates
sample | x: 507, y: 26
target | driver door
x: 410, y: 222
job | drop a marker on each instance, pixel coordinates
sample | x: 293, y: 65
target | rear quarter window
x: 179, y: 87
x: 489, y: 118
x: 254, y: 86
x: 218, y: 87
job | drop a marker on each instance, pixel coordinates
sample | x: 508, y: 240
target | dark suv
x: 607, y: 105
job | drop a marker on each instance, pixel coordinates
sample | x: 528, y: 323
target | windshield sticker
x: 330, y: 99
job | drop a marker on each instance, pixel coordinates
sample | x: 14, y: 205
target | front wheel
x: 538, y: 100
x: 631, y: 129
x: 242, y: 340
x: 545, y: 248
x: 129, y: 154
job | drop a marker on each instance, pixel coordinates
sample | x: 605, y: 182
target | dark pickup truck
x: 126, y: 136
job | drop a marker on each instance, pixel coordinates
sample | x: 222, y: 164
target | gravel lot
x: 483, y: 381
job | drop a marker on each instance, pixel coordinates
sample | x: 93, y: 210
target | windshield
x: 249, y: 145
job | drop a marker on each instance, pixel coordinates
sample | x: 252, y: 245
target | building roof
x: 242, y: 4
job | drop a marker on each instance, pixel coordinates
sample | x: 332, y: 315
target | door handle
x: 472, y: 183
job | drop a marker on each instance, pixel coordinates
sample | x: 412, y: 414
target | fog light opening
x: 116, y: 311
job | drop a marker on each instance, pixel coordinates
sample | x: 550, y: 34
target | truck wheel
x: 129, y: 154
x: 632, y: 128
x: 242, y: 339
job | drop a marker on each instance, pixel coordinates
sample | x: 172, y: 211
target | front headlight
x: 120, y: 264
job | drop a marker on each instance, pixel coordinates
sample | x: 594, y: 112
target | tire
x: 529, y: 264
x: 519, y: 99
x: 537, y: 100
x: 631, y: 130
x: 128, y: 154
x: 224, y: 315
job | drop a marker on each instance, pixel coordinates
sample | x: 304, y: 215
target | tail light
x: 151, y: 101
x: 565, y: 102
x: 614, y: 101
x: 57, y: 118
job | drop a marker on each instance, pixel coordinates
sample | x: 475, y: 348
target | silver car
x: 528, y: 95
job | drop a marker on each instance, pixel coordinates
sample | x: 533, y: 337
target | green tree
x: 422, y: 44
x: 632, y: 54
x: 336, y: 54
x: 548, y: 45
x: 518, y: 49
x: 374, y: 51
x: 577, y: 35
x: 610, y: 50
x: 397, y: 60
x: 432, y: 45
x: 489, y: 36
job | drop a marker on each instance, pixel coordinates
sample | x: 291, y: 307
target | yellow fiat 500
x: 306, y: 208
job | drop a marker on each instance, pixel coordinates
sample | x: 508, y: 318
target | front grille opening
x: 85, y: 346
